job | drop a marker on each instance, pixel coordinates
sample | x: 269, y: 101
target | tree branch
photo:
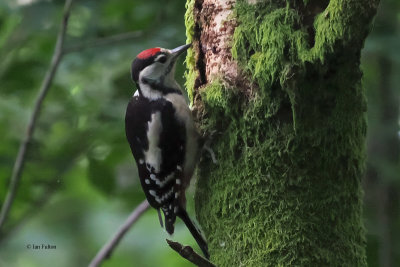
x: 109, y: 40
x: 118, y: 38
x: 21, y: 157
x: 106, y: 251
x: 188, y: 253
x: 50, y: 188
x: 343, y: 22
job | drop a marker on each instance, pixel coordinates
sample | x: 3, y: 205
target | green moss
x: 345, y: 23
x: 191, y: 58
x: 286, y: 190
x: 217, y: 96
x: 266, y: 43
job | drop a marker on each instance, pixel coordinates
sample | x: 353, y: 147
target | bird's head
x: 153, y: 71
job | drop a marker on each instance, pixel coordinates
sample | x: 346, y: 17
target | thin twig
x: 118, y: 38
x: 106, y: 251
x: 26, y: 216
x: 50, y: 188
x: 109, y: 40
x: 188, y: 253
x: 20, y: 160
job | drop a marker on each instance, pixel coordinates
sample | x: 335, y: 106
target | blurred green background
x: 80, y: 182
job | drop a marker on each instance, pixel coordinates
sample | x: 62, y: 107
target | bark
x: 280, y: 83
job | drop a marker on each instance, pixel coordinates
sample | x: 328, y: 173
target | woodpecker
x: 163, y: 137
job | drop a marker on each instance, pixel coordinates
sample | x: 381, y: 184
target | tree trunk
x: 279, y: 82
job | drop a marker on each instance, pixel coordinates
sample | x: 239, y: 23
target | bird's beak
x: 179, y: 50
x: 176, y: 52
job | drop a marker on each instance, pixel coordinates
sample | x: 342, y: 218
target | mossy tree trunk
x: 280, y: 83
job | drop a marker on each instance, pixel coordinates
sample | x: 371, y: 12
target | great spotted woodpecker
x: 162, y: 136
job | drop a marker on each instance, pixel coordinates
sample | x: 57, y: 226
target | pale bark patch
x: 218, y: 26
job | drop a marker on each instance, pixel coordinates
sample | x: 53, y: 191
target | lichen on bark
x: 290, y: 132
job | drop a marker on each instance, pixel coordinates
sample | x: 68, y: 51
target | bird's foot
x: 207, y: 146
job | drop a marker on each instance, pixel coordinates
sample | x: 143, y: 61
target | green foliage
x: 79, y: 173
x: 191, y: 73
x: 382, y: 183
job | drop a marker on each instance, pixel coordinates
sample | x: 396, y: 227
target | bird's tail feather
x: 194, y: 231
x: 160, y: 218
x: 170, y: 219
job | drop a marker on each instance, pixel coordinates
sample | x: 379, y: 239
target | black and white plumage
x: 162, y: 136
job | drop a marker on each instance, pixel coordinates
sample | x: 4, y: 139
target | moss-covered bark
x: 290, y: 131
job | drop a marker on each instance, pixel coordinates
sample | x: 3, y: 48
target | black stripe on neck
x: 158, y: 86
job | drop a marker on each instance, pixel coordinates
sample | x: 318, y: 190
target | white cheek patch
x: 153, y: 154
x: 149, y: 92
x: 152, y: 72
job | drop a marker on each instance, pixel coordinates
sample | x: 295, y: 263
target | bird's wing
x: 159, y: 152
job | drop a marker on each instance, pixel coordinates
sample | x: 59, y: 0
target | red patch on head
x: 148, y: 53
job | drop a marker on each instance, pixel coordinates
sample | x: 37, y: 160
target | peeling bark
x: 218, y: 26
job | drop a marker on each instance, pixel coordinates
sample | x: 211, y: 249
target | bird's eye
x: 162, y: 59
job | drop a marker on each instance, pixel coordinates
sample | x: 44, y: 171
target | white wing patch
x: 162, y: 198
x: 162, y: 183
x: 153, y: 72
x: 166, y: 180
x: 153, y: 154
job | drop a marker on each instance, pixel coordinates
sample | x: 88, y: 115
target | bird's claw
x: 207, y: 147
